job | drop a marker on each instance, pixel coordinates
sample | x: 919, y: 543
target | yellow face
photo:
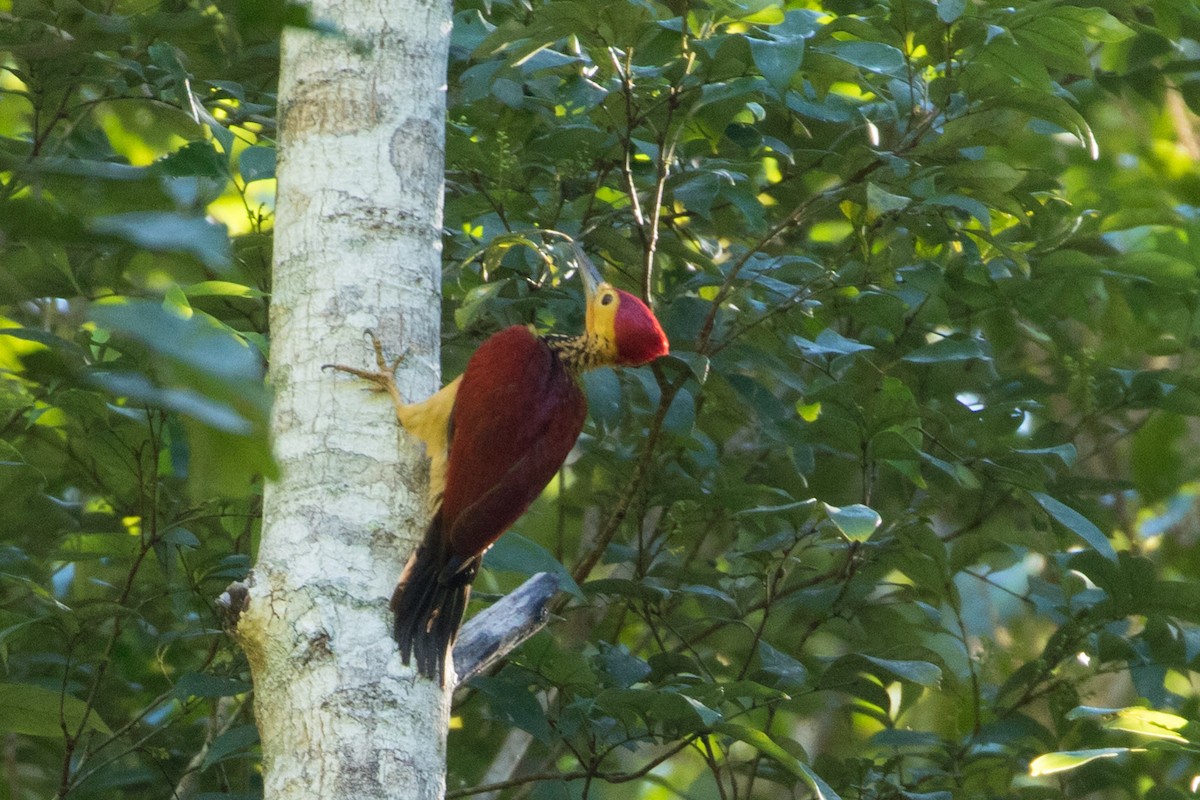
x: 621, y: 329
x: 602, y: 319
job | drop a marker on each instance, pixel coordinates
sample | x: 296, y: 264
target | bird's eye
x: 606, y: 300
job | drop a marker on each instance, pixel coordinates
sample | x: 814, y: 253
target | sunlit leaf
x: 763, y: 743
x: 1148, y: 722
x: 1051, y: 763
x: 856, y: 522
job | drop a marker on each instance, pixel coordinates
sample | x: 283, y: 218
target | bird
x: 495, y: 436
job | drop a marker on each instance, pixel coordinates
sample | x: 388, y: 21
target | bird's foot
x: 383, y: 378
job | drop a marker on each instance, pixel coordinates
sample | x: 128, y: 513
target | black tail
x: 430, y: 601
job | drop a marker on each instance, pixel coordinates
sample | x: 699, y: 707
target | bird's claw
x: 383, y: 378
x: 379, y: 380
x: 381, y: 360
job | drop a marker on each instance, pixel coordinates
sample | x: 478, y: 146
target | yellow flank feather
x: 429, y: 421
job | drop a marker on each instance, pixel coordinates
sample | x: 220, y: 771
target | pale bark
x: 357, y: 246
x: 494, y: 632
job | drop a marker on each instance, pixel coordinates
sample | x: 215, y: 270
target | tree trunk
x: 357, y: 246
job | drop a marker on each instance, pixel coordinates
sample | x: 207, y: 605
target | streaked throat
x: 580, y: 353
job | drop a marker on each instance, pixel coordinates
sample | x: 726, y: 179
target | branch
x: 494, y: 632
x: 488, y: 637
x: 581, y: 774
x: 224, y: 714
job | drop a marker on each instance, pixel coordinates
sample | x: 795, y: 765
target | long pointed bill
x: 587, y: 271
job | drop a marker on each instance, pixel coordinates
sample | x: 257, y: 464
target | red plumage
x: 518, y: 413
x: 498, y: 438
x: 640, y: 338
x: 516, y: 417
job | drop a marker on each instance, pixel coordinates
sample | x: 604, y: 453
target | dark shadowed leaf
x: 946, y: 350
x: 515, y: 553
x: 36, y: 711
x: 233, y: 743
x: 256, y: 163
x: 1077, y: 523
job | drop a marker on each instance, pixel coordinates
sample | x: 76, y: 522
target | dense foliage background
x: 910, y: 511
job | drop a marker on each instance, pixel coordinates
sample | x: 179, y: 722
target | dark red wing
x: 517, y: 414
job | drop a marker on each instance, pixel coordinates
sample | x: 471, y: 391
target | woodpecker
x: 495, y: 436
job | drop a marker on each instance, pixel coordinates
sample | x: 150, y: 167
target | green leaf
x: 1191, y: 95
x: 1057, y: 111
x: 34, y: 711
x: 257, y: 163
x: 221, y: 289
x: 1066, y: 453
x: 948, y: 350
x: 1057, y: 41
x: 963, y: 203
x: 921, y: 673
x: 777, y: 60
x: 881, y: 201
x: 233, y: 743
x: 707, y: 716
x: 696, y: 363
x: 623, y: 668
x: 830, y: 342
x: 788, y: 670
x: 181, y: 537
x: 856, y: 522
x: 1161, y: 268
x: 195, y: 341
x: 949, y: 11
x: 513, y: 552
x: 680, y: 418
x: 169, y: 231
x: 871, y: 56
x: 991, y: 176
x: 961, y: 474
x: 1156, y: 458
x: 752, y: 12
x: 194, y: 159
x: 199, y: 684
x: 1006, y: 63
x: 1064, y: 760
x: 764, y: 744
x: 1100, y: 25
x: 663, y: 707
x: 805, y: 506
x: 514, y: 702
x: 1148, y: 722
x: 698, y: 193
x: 1077, y: 523
x: 138, y: 388
x: 711, y: 592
